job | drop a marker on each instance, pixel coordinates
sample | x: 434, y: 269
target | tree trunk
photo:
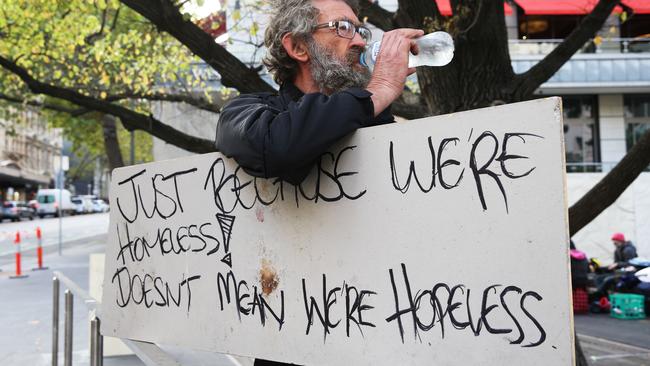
x: 605, y: 192
x: 481, y: 70
x: 111, y: 144
x: 166, y: 16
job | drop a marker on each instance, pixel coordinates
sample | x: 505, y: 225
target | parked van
x: 48, y: 202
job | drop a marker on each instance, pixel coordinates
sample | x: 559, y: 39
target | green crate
x: 627, y: 306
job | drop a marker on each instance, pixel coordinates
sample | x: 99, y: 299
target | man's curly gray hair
x: 297, y: 17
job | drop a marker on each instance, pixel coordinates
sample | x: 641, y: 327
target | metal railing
x: 605, y: 44
x: 583, y: 167
x: 148, y: 353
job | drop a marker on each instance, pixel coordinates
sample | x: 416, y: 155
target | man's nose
x: 357, y: 41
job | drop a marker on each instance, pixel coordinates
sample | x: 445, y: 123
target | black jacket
x: 624, y: 253
x: 283, y: 135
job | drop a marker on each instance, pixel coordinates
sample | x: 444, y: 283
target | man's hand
x: 612, y: 267
x: 391, y: 68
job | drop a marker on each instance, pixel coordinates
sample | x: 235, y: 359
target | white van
x: 48, y: 202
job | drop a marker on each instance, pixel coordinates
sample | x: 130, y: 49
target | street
x: 74, y: 228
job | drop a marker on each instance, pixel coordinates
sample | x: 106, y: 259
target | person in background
x: 579, y: 267
x: 579, y: 279
x: 623, y: 253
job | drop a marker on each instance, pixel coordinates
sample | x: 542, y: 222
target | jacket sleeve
x: 629, y: 252
x: 269, y: 142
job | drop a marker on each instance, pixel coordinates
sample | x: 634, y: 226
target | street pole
x: 61, y: 199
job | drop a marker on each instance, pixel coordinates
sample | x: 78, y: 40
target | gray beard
x: 332, y: 74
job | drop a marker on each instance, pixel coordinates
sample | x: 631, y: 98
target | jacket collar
x: 290, y: 93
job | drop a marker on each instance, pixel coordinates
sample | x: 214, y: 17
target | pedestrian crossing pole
x: 19, y: 273
x: 39, y: 250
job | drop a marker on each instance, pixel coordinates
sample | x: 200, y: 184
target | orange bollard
x: 18, y: 270
x: 39, y: 250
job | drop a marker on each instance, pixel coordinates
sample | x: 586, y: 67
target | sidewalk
x: 614, y: 342
x: 26, y: 307
x: 631, y: 332
x: 26, y: 312
x: 607, y: 353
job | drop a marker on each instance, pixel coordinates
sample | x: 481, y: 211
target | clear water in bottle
x: 435, y: 49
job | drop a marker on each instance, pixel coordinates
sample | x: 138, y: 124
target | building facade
x: 605, y: 89
x: 28, y: 149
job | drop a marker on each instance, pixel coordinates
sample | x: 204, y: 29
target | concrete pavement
x: 26, y: 313
x: 614, y: 342
x: 632, y: 332
x: 603, y: 352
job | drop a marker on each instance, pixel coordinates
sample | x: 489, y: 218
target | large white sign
x: 438, y: 241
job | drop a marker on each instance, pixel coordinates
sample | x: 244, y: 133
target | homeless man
x: 313, y: 51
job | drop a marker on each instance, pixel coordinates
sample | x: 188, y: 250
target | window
x: 634, y: 131
x: 637, y: 106
x: 637, y: 118
x: 581, y: 133
x: 49, y: 198
x: 547, y: 26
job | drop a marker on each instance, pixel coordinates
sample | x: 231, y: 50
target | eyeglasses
x: 346, y: 29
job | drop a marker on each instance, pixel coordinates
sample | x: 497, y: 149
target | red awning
x: 214, y: 24
x: 638, y: 6
x: 444, y: 6
x: 561, y: 7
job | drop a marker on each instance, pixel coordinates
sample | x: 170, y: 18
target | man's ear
x: 297, y: 50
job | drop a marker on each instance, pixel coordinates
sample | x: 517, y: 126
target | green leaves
x: 88, y: 46
x: 98, y: 48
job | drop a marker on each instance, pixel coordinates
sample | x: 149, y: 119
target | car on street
x: 51, y: 200
x: 78, y: 204
x: 83, y: 205
x: 16, y: 210
x: 100, y: 206
x: 33, y: 204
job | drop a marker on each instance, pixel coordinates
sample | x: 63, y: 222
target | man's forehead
x: 330, y: 10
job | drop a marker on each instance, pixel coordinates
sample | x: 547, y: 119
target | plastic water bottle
x: 435, y: 49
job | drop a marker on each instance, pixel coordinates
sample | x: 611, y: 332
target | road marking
x: 613, y: 343
x: 621, y: 355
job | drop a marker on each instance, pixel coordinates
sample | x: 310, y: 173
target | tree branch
x: 34, y: 103
x: 605, y: 192
x: 188, y: 99
x: 197, y: 102
x: 525, y: 84
x: 92, y: 38
x: 129, y: 118
x: 117, y: 15
x: 412, y: 13
x: 168, y: 18
x: 378, y: 16
x: 73, y: 175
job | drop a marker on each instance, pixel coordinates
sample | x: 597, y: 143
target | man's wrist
x: 379, y: 101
